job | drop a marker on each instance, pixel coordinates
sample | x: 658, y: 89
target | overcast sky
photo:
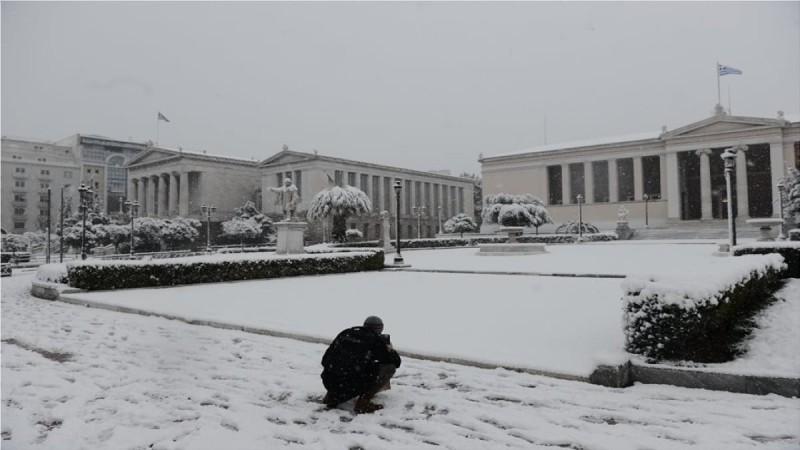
x: 418, y: 85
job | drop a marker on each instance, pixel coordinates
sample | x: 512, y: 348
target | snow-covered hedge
x: 699, y: 317
x: 474, y: 241
x: 789, y: 250
x: 52, y: 273
x: 104, y: 275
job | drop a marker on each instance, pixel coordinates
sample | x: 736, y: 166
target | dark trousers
x: 383, y: 382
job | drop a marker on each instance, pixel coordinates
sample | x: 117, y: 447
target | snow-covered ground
x: 75, y: 377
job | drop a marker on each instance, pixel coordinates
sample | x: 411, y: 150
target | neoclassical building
x: 170, y: 183
x: 680, y: 171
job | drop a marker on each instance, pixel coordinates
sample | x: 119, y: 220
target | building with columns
x: 171, y: 183
x: 435, y: 196
x: 680, y: 171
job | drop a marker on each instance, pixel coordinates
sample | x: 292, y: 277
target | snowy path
x: 134, y: 382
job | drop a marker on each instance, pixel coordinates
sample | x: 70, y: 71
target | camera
x: 386, y: 338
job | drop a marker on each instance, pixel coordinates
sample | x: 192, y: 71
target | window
x: 554, y: 185
x: 67, y: 174
x: 376, y: 192
x: 600, y: 181
x: 576, y: 182
x: 436, y: 194
x: 377, y: 231
x: 351, y: 179
x: 461, y: 200
x: 453, y: 201
x: 44, y: 172
x: 96, y: 170
x: 19, y: 170
x: 339, y: 178
x: 42, y: 212
x: 19, y: 211
x: 365, y: 183
x: 365, y: 230
x: 278, y: 179
x: 43, y: 198
x: 651, y: 176
x: 46, y: 185
x: 625, y: 180
x: 19, y: 225
x: 298, y: 181
x: 427, y: 203
x: 41, y: 159
x: 445, y: 203
x: 418, y: 194
x: 16, y: 157
x: 387, y: 193
x: 408, y: 197
x: 19, y: 184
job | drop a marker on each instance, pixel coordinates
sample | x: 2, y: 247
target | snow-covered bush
x: 53, y: 273
x: 353, y: 234
x: 572, y: 227
x: 789, y: 250
x: 241, y: 229
x: 179, y: 232
x: 249, y: 211
x: 515, y: 211
x: 698, y: 317
x: 461, y: 224
x: 14, y: 243
x: 339, y: 203
x: 125, y: 274
x: 791, y: 199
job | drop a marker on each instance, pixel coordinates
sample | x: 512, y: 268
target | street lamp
x: 730, y: 162
x: 782, y: 234
x: 133, y: 208
x: 208, y: 210
x: 579, y: 198
x: 398, y: 258
x: 418, y: 211
x: 61, y: 238
x: 85, y: 196
x: 646, y: 199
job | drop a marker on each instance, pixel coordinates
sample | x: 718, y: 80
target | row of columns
x: 161, y: 195
x: 613, y: 184
x: 448, y: 196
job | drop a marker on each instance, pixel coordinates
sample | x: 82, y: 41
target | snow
x: 131, y: 381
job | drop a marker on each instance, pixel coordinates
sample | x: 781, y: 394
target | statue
x: 622, y: 214
x: 287, y: 198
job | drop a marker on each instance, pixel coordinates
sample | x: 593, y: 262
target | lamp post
x: 398, y: 258
x: 646, y: 199
x: 440, y: 220
x: 85, y: 195
x: 208, y: 210
x: 579, y: 198
x: 48, y: 226
x: 418, y: 211
x: 782, y: 234
x: 61, y: 238
x: 133, y: 208
x: 730, y: 162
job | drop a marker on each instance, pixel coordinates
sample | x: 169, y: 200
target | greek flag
x: 161, y: 116
x: 726, y: 70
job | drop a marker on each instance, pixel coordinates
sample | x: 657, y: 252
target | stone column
x: 163, y: 208
x: 131, y: 189
x: 673, y: 192
x: 141, y: 187
x: 153, y: 194
x: 588, y: 182
x: 705, y: 183
x: 742, y: 200
x: 613, y: 190
x: 173, y: 194
x: 777, y: 171
x: 638, y: 181
x: 183, y: 196
x: 662, y: 166
x: 566, y: 192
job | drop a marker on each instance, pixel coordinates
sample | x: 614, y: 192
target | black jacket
x: 350, y: 365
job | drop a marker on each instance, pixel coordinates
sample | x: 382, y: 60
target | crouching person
x: 360, y: 362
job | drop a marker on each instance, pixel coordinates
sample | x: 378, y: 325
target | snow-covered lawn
x: 75, y: 377
x: 553, y: 324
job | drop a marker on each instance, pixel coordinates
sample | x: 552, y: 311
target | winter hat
x: 374, y: 323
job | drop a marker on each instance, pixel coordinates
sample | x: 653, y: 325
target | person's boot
x: 328, y: 400
x: 364, y: 405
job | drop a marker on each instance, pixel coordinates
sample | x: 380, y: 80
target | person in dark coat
x: 360, y: 362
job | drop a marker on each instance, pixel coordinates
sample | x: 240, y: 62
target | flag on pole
x: 162, y: 117
x: 727, y: 70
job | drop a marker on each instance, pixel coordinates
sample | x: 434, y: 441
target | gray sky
x: 419, y: 85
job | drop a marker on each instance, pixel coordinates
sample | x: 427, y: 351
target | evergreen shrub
x: 109, y: 275
x: 662, y: 322
x: 789, y: 250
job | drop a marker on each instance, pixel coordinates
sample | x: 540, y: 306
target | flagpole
x: 730, y: 113
x: 719, y: 96
x: 157, y: 124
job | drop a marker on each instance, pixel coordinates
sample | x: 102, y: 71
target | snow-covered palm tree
x: 339, y: 203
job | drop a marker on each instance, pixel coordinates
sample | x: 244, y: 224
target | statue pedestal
x: 624, y: 231
x: 290, y: 237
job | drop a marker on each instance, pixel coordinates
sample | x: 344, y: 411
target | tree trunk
x: 339, y: 228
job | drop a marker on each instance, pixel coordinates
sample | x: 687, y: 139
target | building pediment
x: 723, y: 124
x: 287, y: 157
x: 150, y: 156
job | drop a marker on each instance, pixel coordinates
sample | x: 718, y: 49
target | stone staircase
x: 697, y: 229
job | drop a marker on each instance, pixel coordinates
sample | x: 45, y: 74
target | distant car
x: 5, y: 270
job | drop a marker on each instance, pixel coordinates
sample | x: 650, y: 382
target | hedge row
x: 789, y: 250
x: 213, y: 269
x: 664, y: 323
x: 474, y: 241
